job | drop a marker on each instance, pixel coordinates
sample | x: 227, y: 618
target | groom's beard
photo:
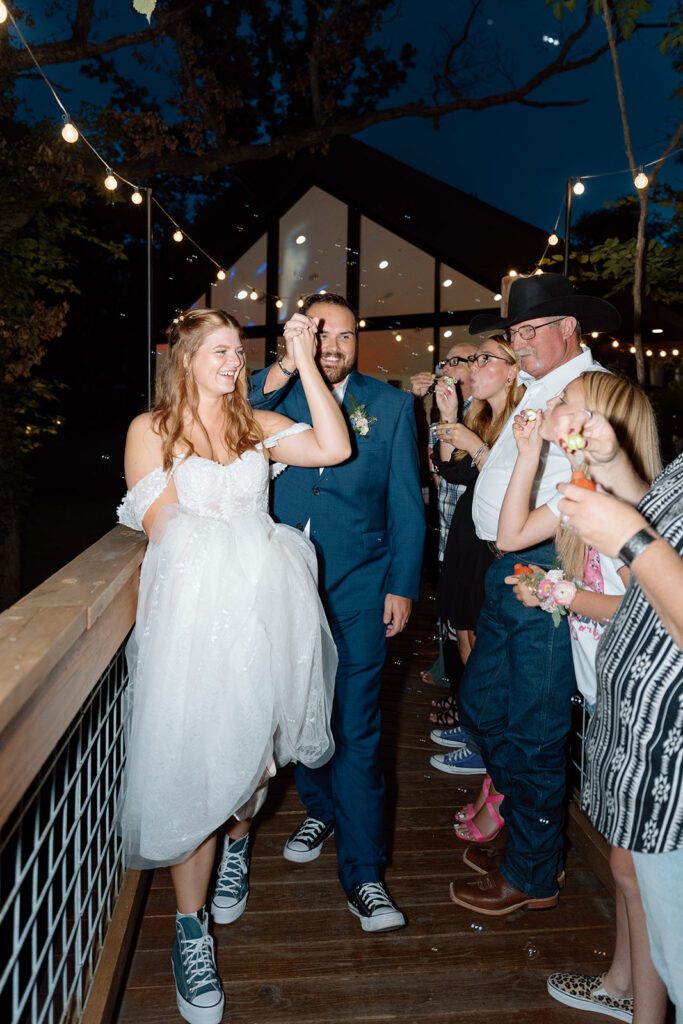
x: 335, y: 366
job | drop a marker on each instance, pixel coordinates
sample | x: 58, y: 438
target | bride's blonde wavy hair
x: 633, y: 420
x: 178, y: 396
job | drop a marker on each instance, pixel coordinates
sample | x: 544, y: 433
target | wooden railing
x: 62, y: 689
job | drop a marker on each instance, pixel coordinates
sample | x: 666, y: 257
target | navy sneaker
x: 371, y: 903
x: 232, y: 885
x: 459, y: 762
x: 199, y: 994
x: 306, y: 842
x: 454, y: 737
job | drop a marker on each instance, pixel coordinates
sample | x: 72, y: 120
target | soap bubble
x: 531, y: 951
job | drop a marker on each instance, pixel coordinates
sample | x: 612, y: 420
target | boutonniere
x: 358, y: 418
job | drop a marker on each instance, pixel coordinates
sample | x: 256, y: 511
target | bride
x: 232, y: 664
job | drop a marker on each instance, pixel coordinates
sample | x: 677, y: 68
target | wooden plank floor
x: 298, y: 955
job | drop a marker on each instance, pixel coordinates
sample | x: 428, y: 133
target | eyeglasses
x: 453, y: 361
x: 480, y: 359
x: 527, y: 332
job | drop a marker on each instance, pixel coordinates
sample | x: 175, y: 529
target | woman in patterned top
x: 634, y: 792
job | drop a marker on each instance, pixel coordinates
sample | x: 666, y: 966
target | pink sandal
x: 468, y: 832
x: 467, y: 812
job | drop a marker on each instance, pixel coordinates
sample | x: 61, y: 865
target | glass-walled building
x: 416, y: 257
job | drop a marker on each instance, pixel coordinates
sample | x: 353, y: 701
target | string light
x: 641, y: 179
x: 253, y: 295
x: 615, y: 343
x: 662, y: 353
x: 512, y: 273
x: 579, y: 188
x: 3, y: 13
x: 594, y: 334
x: 674, y: 351
x: 110, y: 182
x: 70, y: 132
x: 279, y: 303
x: 136, y: 198
x: 430, y: 348
x: 553, y: 239
x: 300, y: 303
x: 648, y: 352
x: 242, y: 294
x: 399, y: 337
x: 221, y: 275
x: 177, y: 235
x: 361, y: 323
x: 632, y: 350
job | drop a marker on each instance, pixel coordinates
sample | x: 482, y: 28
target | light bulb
x: 361, y: 323
x: 136, y: 198
x: 383, y: 264
x: 632, y: 350
x: 70, y: 132
x: 448, y: 334
x: 253, y: 295
x: 615, y: 343
x: 299, y: 303
x: 512, y: 273
x: 221, y: 275
x: 279, y: 303
x: 648, y: 352
x: 110, y: 182
x: 594, y: 334
x: 242, y: 293
x: 177, y: 236
x: 497, y: 297
x: 579, y: 188
x: 447, y: 283
x: 3, y: 13
x: 662, y: 353
x: 553, y: 239
x: 674, y: 351
x: 641, y: 180
x: 300, y: 239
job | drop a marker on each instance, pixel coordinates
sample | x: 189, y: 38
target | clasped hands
x: 301, y: 343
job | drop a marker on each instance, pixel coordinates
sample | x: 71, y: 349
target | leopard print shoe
x: 586, y: 992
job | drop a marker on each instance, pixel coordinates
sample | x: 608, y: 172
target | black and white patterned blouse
x: 634, y: 788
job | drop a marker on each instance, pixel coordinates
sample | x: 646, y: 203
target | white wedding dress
x: 231, y: 661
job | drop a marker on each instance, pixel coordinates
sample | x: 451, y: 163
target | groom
x: 366, y: 521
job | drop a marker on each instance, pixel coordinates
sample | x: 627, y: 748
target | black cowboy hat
x: 549, y: 295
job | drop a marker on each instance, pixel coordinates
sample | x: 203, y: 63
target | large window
x: 460, y: 292
x: 312, y: 249
x: 395, y: 355
x: 245, y: 278
x: 395, y: 276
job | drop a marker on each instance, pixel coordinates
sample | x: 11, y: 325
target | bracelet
x: 634, y: 545
x: 287, y: 373
x: 478, y: 454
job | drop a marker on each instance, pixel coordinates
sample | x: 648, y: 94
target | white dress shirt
x: 554, y: 467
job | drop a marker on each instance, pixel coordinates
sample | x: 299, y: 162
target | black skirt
x: 460, y: 594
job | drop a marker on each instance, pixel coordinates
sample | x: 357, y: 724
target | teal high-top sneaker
x: 232, y: 886
x: 198, y: 988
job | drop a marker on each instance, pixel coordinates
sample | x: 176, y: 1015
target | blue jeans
x: 660, y: 877
x: 515, y: 699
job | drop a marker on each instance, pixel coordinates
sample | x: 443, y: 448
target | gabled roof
x: 469, y: 235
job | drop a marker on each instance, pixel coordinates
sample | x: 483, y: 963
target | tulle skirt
x: 231, y: 666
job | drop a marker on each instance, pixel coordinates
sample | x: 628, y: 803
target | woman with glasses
x: 464, y: 449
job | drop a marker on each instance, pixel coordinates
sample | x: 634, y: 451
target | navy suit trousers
x: 349, y: 789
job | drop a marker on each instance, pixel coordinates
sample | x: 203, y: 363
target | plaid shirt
x: 447, y: 494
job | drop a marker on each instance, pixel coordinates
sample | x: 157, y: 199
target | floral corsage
x: 359, y: 419
x: 551, y: 588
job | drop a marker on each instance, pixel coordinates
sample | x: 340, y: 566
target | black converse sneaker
x: 306, y: 842
x: 371, y: 903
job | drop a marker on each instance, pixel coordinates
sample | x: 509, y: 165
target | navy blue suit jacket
x: 367, y: 514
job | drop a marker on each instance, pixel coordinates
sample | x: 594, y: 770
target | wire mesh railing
x: 61, y: 867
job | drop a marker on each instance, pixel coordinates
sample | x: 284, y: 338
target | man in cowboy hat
x: 515, y: 696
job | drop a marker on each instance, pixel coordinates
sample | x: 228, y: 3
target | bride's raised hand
x: 300, y: 339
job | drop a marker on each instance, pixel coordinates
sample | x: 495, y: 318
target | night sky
x: 514, y: 157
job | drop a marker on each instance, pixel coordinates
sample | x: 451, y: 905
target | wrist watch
x: 634, y: 545
x: 287, y: 373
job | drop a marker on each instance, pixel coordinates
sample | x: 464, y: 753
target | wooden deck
x: 298, y: 955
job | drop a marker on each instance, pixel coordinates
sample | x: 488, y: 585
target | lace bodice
x: 207, y: 488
